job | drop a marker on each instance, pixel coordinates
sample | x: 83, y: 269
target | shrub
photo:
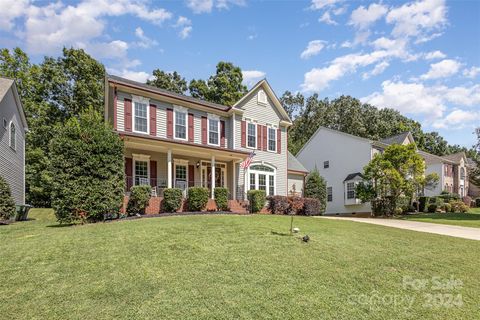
x: 138, y: 200
x: 447, y: 207
x: 467, y: 200
x: 7, y: 205
x: 257, y: 200
x: 87, y: 169
x: 316, y: 187
x: 477, y: 202
x: 403, y: 203
x: 312, y: 207
x: 447, y: 196
x: 459, y: 206
x: 432, y: 208
x: 279, y: 205
x: 382, y: 207
x: 221, y: 198
x: 296, y: 205
x: 398, y: 211
x: 422, y: 201
x: 172, y: 199
x: 197, y: 198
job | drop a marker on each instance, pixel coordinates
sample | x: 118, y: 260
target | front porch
x: 162, y: 165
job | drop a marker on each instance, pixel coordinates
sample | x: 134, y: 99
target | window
x: 262, y: 177
x: 351, y: 190
x: 4, y: 123
x: 13, y: 136
x: 181, y: 124
x: 252, y: 181
x: 462, y: 173
x: 262, y: 97
x: 262, y: 182
x: 141, y: 172
x: 140, y: 116
x: 213, y: 131
x: 326, y: 164
x: 329, y: 194
x: 272, y: 139
x: 252, y: 135
x: 271, y: 186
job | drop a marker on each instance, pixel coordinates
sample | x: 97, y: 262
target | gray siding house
x: 12, y: 139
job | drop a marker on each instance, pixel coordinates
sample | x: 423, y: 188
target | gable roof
x: 294, y: 164
x: 268, y: 89
x: 153, y: 89
x: 5, y: 85
x: 456, y: 157
x: 398, y: 138
x: 352, y: 176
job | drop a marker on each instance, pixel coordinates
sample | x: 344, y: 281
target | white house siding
x: 438, y: 169
x: 12, y: 162
x: 263, y: 114
x: 295, y: 182
x: 346, y: 154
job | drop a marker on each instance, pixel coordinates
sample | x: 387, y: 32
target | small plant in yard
x: 312, y: 207
x: 139, y: 199
x: 172, y: 199
x: 316, y: 187
x: 257, y: 199
x: 447, y: 207
x: 459, y: 206
x: 279, y: 205
x: 221, y: 198
x: 7, y: 205
x: 197, y: 198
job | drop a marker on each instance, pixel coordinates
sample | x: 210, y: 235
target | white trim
x: 138, y: 156
x: 140, y: 159
x: 180, y: 110
x: 180, y: 161
x: 214, y: 118
x: 234, y: 133
x: 267, y: 178
x: 262, y: 94
x: 256, y: 134
x: 146, y: 102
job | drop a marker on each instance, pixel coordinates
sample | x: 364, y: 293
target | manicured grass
x: 228, y: 267
x: 470, y: 219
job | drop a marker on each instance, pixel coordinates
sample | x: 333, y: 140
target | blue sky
x: 419, y: 57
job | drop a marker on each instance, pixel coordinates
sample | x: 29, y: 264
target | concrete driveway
x: 446, y: 230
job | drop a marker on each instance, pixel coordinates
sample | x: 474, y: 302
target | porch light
x: 198, y: 164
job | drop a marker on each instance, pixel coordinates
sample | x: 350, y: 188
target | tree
x: 169, y: 81
x: 87, y: 169
x: 292, y: 103
x: 316, y: 187
x: 225, y: 87
x: 7, y: 205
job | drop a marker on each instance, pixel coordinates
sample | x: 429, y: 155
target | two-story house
x: 173, y: 140
x: 12, y: 139
x: 340, y: 158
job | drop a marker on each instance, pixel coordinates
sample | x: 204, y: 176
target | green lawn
x: 470, y: 219
x: 227, y: 267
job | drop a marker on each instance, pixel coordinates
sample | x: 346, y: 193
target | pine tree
x: 315, y: 187
x: 7, y: 205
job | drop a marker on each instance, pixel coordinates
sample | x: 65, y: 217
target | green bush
x: 448, y: 196
x: 459, y: 206
x: 382, y: 207
x: 398, y: 211
x: 403, y: 203
x: 197, y: 198
x: 7, y: 205
x: 172, y: 199
x: 138, y: 200
x: 257, y: 199
x: 87, y: 169
x: 422, y: 203
x: 316, y: 187
x: 477, y: 202
x: 432, y: 208
x: 221, y: 198
x: 447, y: 207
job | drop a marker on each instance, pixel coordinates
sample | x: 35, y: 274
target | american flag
x: 246, y: 163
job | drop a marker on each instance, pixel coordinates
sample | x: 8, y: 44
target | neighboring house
x: 340, y: 158
x: 12, y: 139
x: 173, y: 140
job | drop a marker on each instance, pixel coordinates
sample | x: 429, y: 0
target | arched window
x: 13, y: 136
x: 262, y: 177
x: 462, y: 173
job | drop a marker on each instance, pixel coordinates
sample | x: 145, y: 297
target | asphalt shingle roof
x: 294, y: 164
x: 396, y: 139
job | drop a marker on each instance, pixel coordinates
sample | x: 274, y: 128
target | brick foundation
x: 155, y: 205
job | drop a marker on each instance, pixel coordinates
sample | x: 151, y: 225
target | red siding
x: 128, y: 114
x: 153, y: 173
x: 244, y: 134
x: 279, y: 140
x: 170, y: 123
x: 190, y: 128
x: 153, y: 120
x: 265, y: 132
x: 222, y: 134
x: 204, y: 130
x: 129, y: 172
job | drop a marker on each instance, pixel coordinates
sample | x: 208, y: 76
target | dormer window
x: 262, y: 97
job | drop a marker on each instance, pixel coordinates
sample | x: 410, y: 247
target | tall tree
x: 169, y: 81
x: 292, y: 104
x: 225, y: 87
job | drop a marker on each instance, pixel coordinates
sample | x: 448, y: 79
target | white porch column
x: 213, y: 176
x: 234, y: 181
x: 169, y: 168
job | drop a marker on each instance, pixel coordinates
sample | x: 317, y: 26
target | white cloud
x: 418, y: 19
x: 144, y: 41
x: 472, y: 72
x: 378, y: 69
x: 327, y: 19
x: 363, y: 17
x: 139, y: 76
x: 250, y: 77
x: 206, y: 6
x: 11, y: 9
x: 435, y: 55
x: 458, y: 119
x: 442, y: 69
x: 320, y: 4
x: 313, y: 48
x: 185, y: 26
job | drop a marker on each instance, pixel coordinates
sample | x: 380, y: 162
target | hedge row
x: 294, y: 205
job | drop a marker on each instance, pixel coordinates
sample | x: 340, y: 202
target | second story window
x: 181, y: 124
x: 213, y: 131
x: 326, y: 164
x: 252, y: 135
x: 272, y: 139
x: 140, y: 116
x: 13, y: 136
